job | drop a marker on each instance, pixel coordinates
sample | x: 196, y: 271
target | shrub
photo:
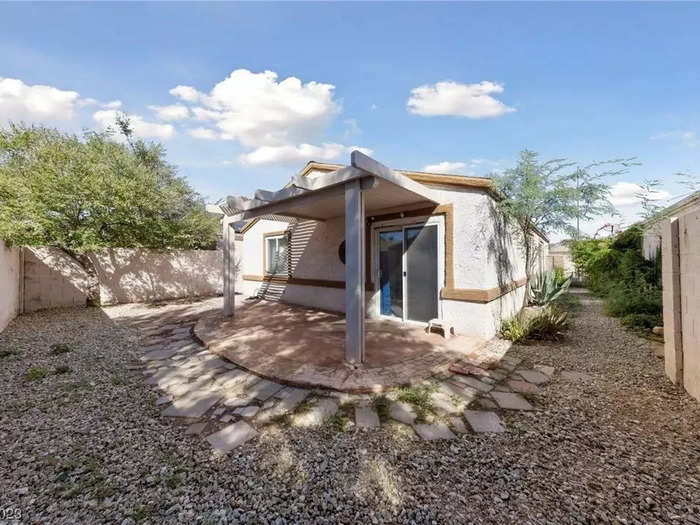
x: 60, y: 348
x: 544, y: 289
x: 633, y: 298
x: 36, y: 373
x: 646, y: 321
x: 559, y: 276
x: 515, y: 329
x: 550, y: 323
x: 61, y: 369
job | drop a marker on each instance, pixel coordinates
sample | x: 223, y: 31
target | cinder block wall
x: 52, y: 279
x: 681, y: 283
x: 9, y: 283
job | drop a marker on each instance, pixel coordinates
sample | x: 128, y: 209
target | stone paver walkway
x: 227, y: 405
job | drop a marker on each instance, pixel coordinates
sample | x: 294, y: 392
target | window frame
x: 266, y: 255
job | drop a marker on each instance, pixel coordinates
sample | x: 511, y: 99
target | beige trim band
x: 281, y: 279
x: 481, y: 296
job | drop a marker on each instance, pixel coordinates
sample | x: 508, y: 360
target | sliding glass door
x: 408, y: 272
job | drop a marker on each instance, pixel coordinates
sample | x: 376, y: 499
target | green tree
x: 555, y: 195
x: 83, y: 193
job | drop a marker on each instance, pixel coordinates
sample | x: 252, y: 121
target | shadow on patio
x: 306, y: 347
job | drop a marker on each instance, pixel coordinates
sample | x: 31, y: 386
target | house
x: 373, y: 242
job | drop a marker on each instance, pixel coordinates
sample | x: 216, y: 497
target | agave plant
x: 544, y: 290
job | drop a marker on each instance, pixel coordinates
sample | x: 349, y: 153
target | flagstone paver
x: 458, y: 425
x: 231, y: 436
x: 366, y: 417
x: 481, y: 421
x: 545, y: 369
x: 162, y: 400
x: 533, y: 376
x: 165, y: 353
x: 196, y: 428
x: 248, y: 411
x: 265, y: 389
x: 194, y: 404
x: 433, y: 431
x: 475, y: 383
x: 402, y: 412
x: 521, y: 386
x: 511, y: 401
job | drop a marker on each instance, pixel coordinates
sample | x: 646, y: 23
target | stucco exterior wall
x: 486, y: 254
x: 9, y: 283
x: 133, y: 275
x: 52, y: 279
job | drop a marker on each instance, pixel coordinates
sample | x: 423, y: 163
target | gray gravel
x: 91, y: 446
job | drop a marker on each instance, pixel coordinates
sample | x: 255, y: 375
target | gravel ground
x: 89, y: 445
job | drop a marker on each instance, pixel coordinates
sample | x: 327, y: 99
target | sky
x: 243, y: 95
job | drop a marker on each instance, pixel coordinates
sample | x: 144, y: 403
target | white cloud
x: 626, y: 194
x: 353, y: 127
x: 186, y: 93
x: 462, y: 100
x: 105, y: 118
x: 203, y: 133
x: 289, y: 154
x: 22, y: 102
x: 258, y: 110
x: 445, y: 167
x: 172, y: 112
x: 114, y: 104
x: 374, y: 107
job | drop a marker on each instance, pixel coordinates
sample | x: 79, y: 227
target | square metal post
x: 354, y: 272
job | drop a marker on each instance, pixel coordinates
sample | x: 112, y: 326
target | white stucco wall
x: 9, y: 283
x: 486, y: 256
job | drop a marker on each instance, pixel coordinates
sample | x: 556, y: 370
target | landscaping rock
x: 323, y: 409
x: 433, y: 431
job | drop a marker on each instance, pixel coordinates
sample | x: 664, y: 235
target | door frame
x: 402, y: 224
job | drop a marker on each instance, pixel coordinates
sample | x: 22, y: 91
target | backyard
x: 607, y: 437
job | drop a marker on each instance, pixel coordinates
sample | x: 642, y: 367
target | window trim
x: 275, y: 235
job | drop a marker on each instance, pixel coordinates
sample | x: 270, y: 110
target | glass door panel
x: 421, y: 272
x: 391, y: 273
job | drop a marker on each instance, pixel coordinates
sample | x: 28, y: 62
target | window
x: 276, y: 255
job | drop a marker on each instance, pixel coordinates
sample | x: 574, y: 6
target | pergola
x: 356, y: 190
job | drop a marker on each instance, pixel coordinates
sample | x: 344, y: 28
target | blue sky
x: 458, y: 87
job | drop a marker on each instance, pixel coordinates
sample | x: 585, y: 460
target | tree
x: 555, y: 195
x: 89, y: 192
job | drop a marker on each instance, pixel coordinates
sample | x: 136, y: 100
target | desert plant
x: 544, y: 290
x: 646, y: 321
x: 515, y: 329
x: 550, y: 323
x: 559, y: 276
x: 61, y: 369
x: 60, y: 348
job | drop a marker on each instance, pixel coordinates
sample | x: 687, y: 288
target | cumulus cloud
x: 203, y: 133
x: 289, y: 154
x: 186, y: 93
x: 22, y: 102
x: 627, y: 194
x: 445, y: 167
x: 259, y: 110
x: 456, y: 99
x: 172, y: 112
x: 106, y: 118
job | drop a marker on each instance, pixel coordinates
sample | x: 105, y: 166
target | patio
x: 304, y: 347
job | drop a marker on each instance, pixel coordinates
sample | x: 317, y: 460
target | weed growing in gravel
x: 36, y: 373
x: 9, y: 353
x: 60, y: 348
x: 143, y: 512
x: 119, y: 381
x: 339, y: 421
x: 381, y: 404
x: 173, y: 481
x: 61, y: 369
x: 304, y: 407
x: 420, y: 397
